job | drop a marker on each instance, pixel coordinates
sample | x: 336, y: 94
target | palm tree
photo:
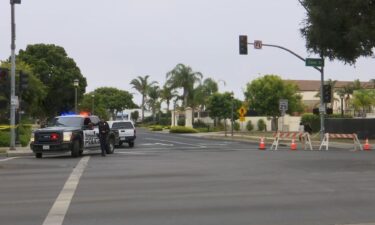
x: 142, y: 85
x: 154, y: 95
x: 167, y: 94
x: 183, y: 77
x: 341, y: 93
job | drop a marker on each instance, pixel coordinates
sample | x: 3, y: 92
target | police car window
x: 122, y: 125
x: 66, y: 122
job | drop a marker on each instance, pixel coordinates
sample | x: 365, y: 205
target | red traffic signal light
x: 243, y: 44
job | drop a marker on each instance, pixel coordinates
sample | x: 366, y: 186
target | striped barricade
x: 327, y: 136
x: 291, y: 135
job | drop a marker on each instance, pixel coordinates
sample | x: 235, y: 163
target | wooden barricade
x: 327, y: 136
x: 291, y: 135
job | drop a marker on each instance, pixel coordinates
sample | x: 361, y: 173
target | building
x: 309, y: 90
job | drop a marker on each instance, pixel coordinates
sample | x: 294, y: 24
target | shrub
x: 249, y: 125
x: 4, y: 138
x: 181, y: 121
x: 180, y: 129
x: 156, y: 128
x: 236, y: 126
x: 313, y: 120
x: 199, y: 123
x: 262, y: 125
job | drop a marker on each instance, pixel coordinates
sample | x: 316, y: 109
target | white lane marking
x: 131, y: 153
x: 176, y: 142
x: 152, y: 144
x: 358, y: 224
x: 7, y: 159
x: 60, y: 207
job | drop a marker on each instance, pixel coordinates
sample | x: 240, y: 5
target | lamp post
x: 92, y: 106
x: 76, y: 83
x: 13, y: 101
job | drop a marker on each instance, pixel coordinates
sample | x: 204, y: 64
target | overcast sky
x: 114, y: 41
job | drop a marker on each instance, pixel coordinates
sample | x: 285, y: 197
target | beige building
x: 309, y: 90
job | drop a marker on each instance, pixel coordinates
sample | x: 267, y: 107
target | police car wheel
x: 75, y: 149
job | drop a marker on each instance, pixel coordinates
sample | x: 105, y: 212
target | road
x: 176, y: 180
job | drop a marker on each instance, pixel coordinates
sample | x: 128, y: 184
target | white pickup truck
x: 126, y: 131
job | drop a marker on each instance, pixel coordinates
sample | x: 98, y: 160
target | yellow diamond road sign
x: 242, y: 111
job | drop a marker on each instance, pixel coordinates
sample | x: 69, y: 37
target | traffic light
x: 243, y: 44
x: 327, y: 93
x: 24, y: 81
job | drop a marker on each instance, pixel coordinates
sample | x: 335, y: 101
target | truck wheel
x: 131, y: 144
x: 38, y: 155
x: 110, y: 148
x: 75, y: 149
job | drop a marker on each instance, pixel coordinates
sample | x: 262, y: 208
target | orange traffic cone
x: 367, y: 146
x: 293, y: 145
x: 262, y: 146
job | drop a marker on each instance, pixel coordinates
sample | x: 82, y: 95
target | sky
x: 114, y: 41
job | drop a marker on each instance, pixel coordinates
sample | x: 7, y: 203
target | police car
x: 71, y: 133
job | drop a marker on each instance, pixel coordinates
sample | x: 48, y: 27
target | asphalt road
x: 176, y: 180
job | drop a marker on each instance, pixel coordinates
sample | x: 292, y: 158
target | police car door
x: 90, y: 135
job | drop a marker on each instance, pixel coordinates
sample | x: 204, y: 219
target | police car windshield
x: 66, y: 122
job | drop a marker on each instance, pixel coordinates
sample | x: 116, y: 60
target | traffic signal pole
x: 259, y: 45
x: 12, y: 81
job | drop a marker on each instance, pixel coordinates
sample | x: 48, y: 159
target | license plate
x: 45, y: 147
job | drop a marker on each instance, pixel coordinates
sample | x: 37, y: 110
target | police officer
x: 103, y: 135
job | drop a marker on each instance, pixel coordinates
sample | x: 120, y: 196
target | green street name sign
x: 314, y: 62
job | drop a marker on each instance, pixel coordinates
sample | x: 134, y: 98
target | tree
x: 167, y: 94
x: 52, y: 66
x: 30, y: 98
x: 134, y: 115
x: 108, y: 102
x: 264, y: 93
x: 153, y: 96
x: 141, y: 84
x: 339, y: 29
x: 220, y: 106
x: 363, y: 99
x: 183, y: 77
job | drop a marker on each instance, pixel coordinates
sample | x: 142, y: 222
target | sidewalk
x: 268, y: 140
x: 19, y: 151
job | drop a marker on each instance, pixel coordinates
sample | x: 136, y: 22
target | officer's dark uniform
x: 103, y: 135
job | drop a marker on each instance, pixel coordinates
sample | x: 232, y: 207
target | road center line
x: 60, y: 207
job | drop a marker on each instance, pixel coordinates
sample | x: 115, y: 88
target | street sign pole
x: 322, y: 128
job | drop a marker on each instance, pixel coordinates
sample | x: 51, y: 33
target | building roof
x: 314, y: 85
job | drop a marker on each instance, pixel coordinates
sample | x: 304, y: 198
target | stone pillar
x: 173, y: 118
x: 188, y: 117
x: 176, y: 117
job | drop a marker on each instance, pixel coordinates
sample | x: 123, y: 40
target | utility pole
x: 13, y: 98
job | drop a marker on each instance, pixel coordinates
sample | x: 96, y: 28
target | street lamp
x: 92, y: 107
x: 76, y: 83
x: 13, y: 98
